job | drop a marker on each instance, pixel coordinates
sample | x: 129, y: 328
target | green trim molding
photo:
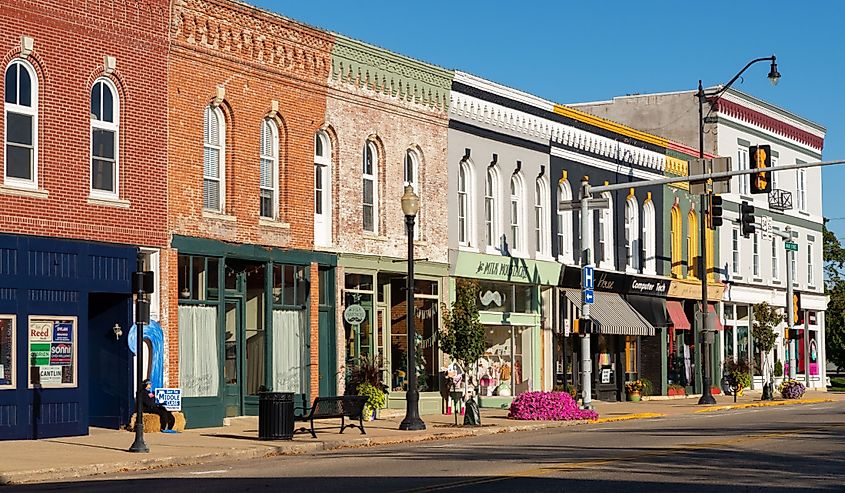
x: 391, y: 264
x: 365, y: 65
x: 501, y: 268
x: 216, y: 248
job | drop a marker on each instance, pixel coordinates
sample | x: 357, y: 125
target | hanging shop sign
x: 354, y: 314
x: 691, y: 290
x: 570, y: 277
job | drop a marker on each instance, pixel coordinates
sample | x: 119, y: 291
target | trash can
x: 275, y: 416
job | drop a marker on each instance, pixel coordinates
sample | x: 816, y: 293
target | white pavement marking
x: 218, y: 471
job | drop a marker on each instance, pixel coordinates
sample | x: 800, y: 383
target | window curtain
x: 199, y: 365
x: 289, y: 350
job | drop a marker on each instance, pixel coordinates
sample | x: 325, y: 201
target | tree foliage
x: 766, y: 318
x: 834, y: 261
x: 462, y: 335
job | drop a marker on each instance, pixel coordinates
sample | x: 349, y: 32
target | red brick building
x: 247, y: 98
x: 82, y: 188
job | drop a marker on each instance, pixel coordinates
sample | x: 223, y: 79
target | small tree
x: 462, y: 335
x: 766, y: 318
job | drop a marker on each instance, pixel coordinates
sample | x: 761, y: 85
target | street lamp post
x: 707, y: 332
x: 412, y: 421
x: 141, y: 317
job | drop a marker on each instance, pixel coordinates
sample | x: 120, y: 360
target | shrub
x: 792, y: 389
x: 548, y: 406
x: 739, y: 374
x: 375, y: 398
x: 634, y: 386
x: 648, y: 387
x: 778, y: 368
x: 364, y: 370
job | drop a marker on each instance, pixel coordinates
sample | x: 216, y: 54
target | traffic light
x: 797, y: 313
x: 761, y: 157
x: 746, y: 218
x: 714, y: 211
x: 790, y: 334
x: 582, y: 325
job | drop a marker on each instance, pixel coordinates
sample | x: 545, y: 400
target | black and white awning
x: 612, y: 315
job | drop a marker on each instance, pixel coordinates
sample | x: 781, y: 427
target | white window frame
x: 412, y: 164
x: 811, y: 278
x: 801, y: 189
x: 270, y: 130
x: 649, y: 238
x: 742, y: 164
x: 606, y: 244
x: 773, y: 174
x: 114, y: 127
x: 516, y: 215
x: 794, y: 266
x: 632, y: 233
x: 755, y: 255
x: 323, y: 219
x: 465, y: 210
x: 564, y: 225
x: 736, y: 251
x: 492, y: 190
x: 220, y: 146
x: 372, y: 177
x: 541, y: 218
x: 775, y: 259
x: 31, y: 111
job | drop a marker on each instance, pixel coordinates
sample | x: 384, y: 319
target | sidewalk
x: 104, y: 451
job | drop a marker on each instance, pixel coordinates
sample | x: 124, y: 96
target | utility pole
x: 705, y: 333
x: 790, y: 306
x: 586, y: 325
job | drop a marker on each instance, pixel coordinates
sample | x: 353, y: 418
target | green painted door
x: 328, y: 353
x: 232, y: 367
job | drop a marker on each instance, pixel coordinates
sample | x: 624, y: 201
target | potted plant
x: 375, y: 400
x: 364, y: 377
x: 634, y: 389
x: 677, y: 390
x: 791, y: 389
x: 738, y: 376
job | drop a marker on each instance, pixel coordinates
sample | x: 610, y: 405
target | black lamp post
x: 412, y: 421
x: 707, y: 335
x: 141, y: 284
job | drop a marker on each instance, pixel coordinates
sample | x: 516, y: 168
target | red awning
x: 677, y: 315
x: 718, y: 322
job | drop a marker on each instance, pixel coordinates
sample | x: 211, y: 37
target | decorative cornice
x: 379, y: 70
x: 741, y: 112
x: 677, y: 167
x: 609, y: 125
x: 252, y: 35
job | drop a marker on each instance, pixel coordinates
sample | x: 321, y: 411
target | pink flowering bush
x: 548, y: 406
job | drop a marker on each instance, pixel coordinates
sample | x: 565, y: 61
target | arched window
x: 606, y: 247
x: 516, y: 219
x: 214, y: 169
x: 632, y: 234
x: 105, y: 126
x: 564, y: 225
x: 541, y: 217
x: 465, y: 203
x: 692, y: 244
x: 369, y: 177
x: 491, y: 208
x: 21, y: 125
x: 649, y: 247
x: 269, y: 169
x: 677, y: 242
x: 322, y: 189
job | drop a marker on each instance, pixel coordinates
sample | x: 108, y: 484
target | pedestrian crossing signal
x: 761, y: 157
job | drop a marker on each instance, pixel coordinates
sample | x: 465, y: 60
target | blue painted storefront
x: 49, y: 279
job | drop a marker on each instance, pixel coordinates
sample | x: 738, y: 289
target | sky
x: 568, y: 51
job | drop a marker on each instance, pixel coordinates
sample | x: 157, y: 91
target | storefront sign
x: 61, y: 354
x: 602, y: 280
x: 691, y: 290
x: 501, y: 268
x: 354, y: 314
x: 171, y: 398
x: 63, y: 332
x: 605, y: 375
x: 648, y: 286
x: 40, y: 332
x: 50, y: 375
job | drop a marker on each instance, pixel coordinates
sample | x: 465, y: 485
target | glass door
x: 232, y: 368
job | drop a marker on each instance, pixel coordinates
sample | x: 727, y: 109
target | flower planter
x: 676, y: 392
x: 634, y: 396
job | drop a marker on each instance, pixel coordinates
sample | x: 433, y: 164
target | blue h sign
x: 587, y: 276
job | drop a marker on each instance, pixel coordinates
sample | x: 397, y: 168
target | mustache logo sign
x: 490, y: 297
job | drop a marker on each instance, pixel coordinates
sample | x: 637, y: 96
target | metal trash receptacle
x: 275, y: 416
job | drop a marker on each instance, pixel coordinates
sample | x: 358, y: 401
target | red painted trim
x: 689, y: 151
x: 736, y: 110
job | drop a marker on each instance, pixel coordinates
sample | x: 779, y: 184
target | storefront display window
x: 52, y: 350
x: 502, y: 369
x: 506, y: 297
x: 631, y: 354
x: 199, y: 278
x: 290, y: 285
x: 7, y: 351
x: 742, y: 343
x: 426, y: 324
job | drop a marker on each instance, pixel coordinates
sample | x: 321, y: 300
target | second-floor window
x: 564, y: 224
x: 516, y: 214
x: 742, y: 163
x: 105, y: 125
x: 802, y: 189
x: 775, y: 259
x: 735, y: 251
x: 491, y: 208
x: 269, y: 169
x: 649, y: 248
x: 632, y: 234
x: 214, y: 136
x: 21, y: 125
x: 464, y: 203
x: 811, y: 278
x: 541, y: 220
x: 606, y: 245
x: 369, y: 188
x: 756, y: 254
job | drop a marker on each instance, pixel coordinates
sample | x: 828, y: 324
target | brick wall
x: 71, y: 39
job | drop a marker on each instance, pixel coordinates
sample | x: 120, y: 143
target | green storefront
x: 245, y: 326
x: 514, y: 307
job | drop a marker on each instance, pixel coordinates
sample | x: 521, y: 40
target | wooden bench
x: 346, y: 406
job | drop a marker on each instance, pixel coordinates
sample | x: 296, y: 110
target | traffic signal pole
x: 790, y: 309
x: 586, y: 259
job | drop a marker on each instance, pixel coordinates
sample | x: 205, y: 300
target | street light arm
x: 718, y: 94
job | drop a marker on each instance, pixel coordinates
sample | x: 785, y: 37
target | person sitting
x: 149, y: 405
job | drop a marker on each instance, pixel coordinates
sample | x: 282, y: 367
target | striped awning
x: 613, y: 315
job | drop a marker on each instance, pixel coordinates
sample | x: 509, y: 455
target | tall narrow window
x: 632, y: 235
x: 564, y: 225
x: 677, y: 242
x: 491, y: 208
x: 775, y: 259
x: 105, y: 124
x: 213, y: 159
x: 692, y: 244
x: 802, y: 189
x: 541, y: 219
x: 773, y: 175
x: 269, y: 168
x: 735, y: 267
x: 649, y: 247
x: 742, y: 163
x: 793, y: 265
x: 322, y: 190
x: 606, y: 245
x: 811, y: 278
x: 21, y: 125
x: 369, y: 174
x: 516, y: 214
x: 412, y: 177
x: 755, y: 255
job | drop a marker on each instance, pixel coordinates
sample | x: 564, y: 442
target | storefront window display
x: 52, y: 349
x: 505, y: 297
x: 426, y: 324
x: 359, y: 337
x: 502, y: 368
x: 7, y: 351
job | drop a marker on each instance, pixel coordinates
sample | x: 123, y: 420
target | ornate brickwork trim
x: 380, y: 70
x: 252, y: 35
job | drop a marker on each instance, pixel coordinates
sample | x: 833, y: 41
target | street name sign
x: 791, y: 246
x: 575, y: 205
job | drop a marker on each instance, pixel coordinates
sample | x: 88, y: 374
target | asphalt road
x: 789, y: 449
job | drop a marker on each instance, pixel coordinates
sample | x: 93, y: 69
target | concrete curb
x: 790, y: 402
x: 627, y: 417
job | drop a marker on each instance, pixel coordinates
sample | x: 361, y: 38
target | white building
x: 753, y: 268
